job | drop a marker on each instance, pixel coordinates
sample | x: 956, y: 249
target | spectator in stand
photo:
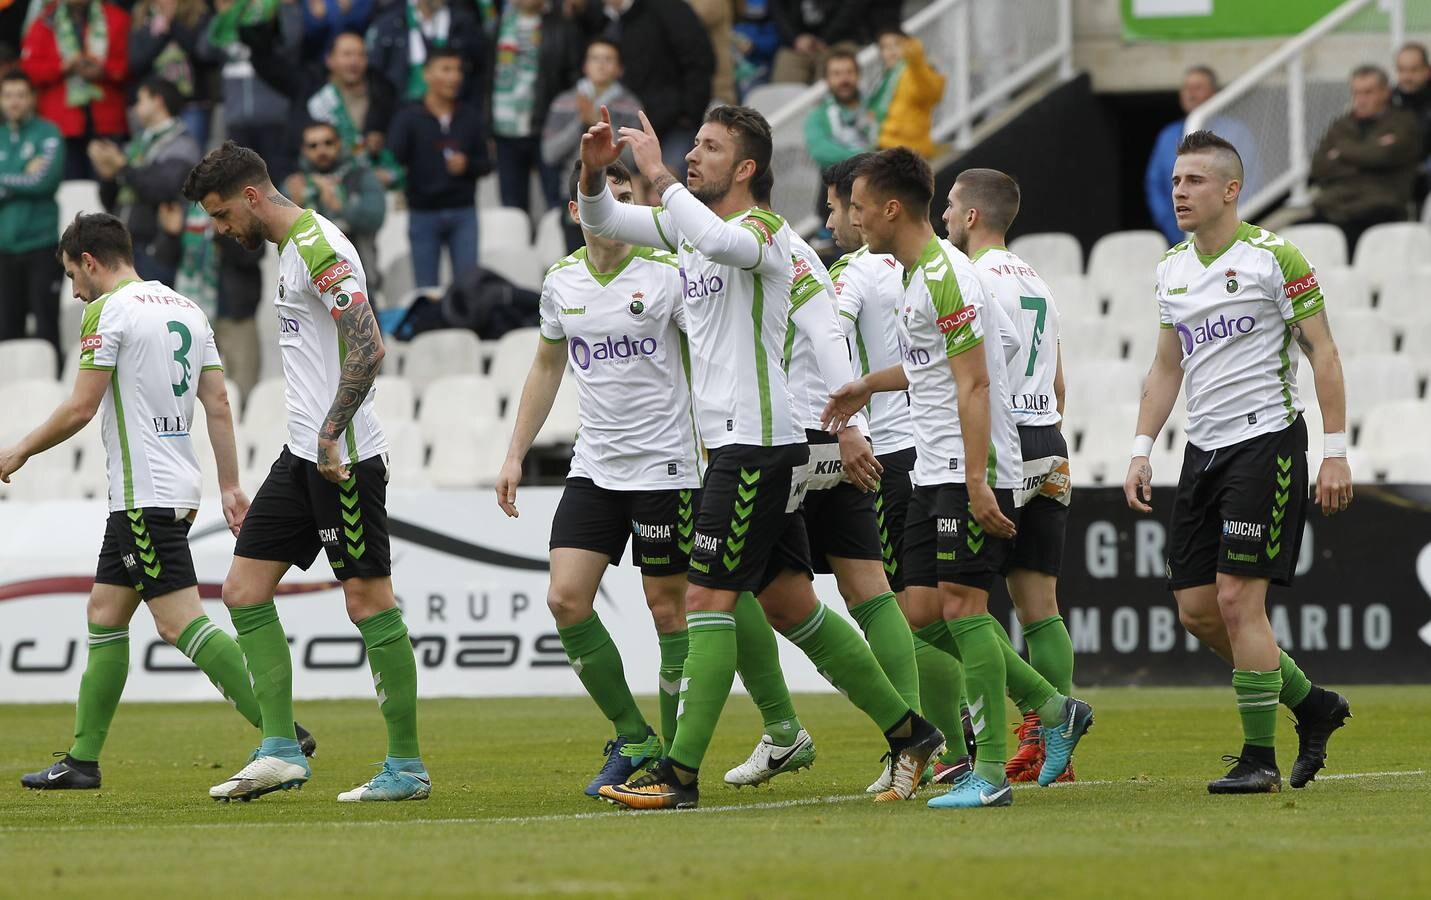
x: 537, y: 57
x: 405, y: 32
x: 842, y: 125
x: 134, y: 182
x: 1413, y: 93
x: 360, y: 104
x: 164, y: 41
x: 756, y: 40
x: 718, y: 16
x: 810, y: 27
x: 32, y: 159
x: 324, y: 20
x: 1198, y: 86
x: 1365, y: 167
x: 668, y: 64
x: 906, y: 95
x: 575, y: 110
x: 76, y: 53
x: 342, y: 189
x: 255, y: 113
x: 442, y: 143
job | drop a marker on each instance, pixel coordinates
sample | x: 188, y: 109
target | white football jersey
x: 945, y: 312
x: 1233, y: 313
x: 319, y: 278
x: 623, y: 331
x: 154, y: 343
x: 736, y: 322
x: 1029, y: 304
x: 809, y: 283
x: 870, y: 290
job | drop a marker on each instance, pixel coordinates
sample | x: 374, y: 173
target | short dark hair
x: 436, y: 53
x: 1204, y: 70
x: 167, y: 92
x: 890, y: 29
x: 319, y: 123
x: 225, y: 171
x: 1368, y: 70
x: 17, y: 75
x: 900, y: 173
x: 839, y: 51
x: 602, y: 40
x: 617, y: 172
x: 755, y: 143
x: 841, y: 176
x: 100, y: 235
x: 1417, y: 47
x: 346, y: 32
x: 1205, y: 141
x: 993, y: 193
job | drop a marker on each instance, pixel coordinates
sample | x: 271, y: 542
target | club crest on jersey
x: 1231, y: 281
x: 282, y: 289
x: 638, y: 303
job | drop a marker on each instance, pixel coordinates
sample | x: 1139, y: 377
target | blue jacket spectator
x: 324, y: 20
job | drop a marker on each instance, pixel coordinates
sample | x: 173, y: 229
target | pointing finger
x: 646, y: 123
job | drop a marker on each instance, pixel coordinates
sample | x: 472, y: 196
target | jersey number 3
x: 181, y: 356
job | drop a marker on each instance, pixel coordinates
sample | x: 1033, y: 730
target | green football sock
x: 1028, y: 689
x: 983, y: 653
x: 270, y: 667
x: 940, y: 677
x: 100, y: 688
x: 219, y: 657
x: 598, y: 664
x: 1257, y: 704
x: 1051, y: 652
x: 887, y: 631
x: 705, y: 685
x: 394, y: 669
x: 1295, y: 685
x: 673, y: 660
x: 846, y: 662
x: 757, y: 659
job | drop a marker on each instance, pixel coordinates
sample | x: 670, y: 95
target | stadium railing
x: 987, y: 52
x: 1277, y: 113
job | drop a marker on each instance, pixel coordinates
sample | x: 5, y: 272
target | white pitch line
x: 609, y: 814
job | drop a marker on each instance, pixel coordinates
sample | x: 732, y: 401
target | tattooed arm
x: 358, y: 329
x: 1160, y: 392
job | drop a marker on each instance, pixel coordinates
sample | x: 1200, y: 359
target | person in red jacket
x: 77, y: 54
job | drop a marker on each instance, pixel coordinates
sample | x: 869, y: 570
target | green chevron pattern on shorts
x: 886, y: 549
x: 147, y: 553
x: 974, y: 536
x: 685, y: 522
x: 352, y: 518
x: 744, y: 509
x: 1279, y: 506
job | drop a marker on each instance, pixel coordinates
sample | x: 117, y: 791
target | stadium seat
x: 265, y: 403
x: 518, y: 263
x: 1072, y: 296
x: 392, y: 243
x: 1407, y: 296
x: 1124, y: 257
x: 394, y: 400
x: 456, y: 396
x: 397, y: 279
x: 27, y: 402
x: 1050, y: 253
x: 446, y: 351
x: 468, y: 458
x: 270, y: 357
x: 1093, y: 340
x: 1371, y: 380
x: 501, y: 229
x: 551, y: 240
x: 1401, y: 423
x: 1133, y: 305
x: 71, y: 319
x: 1387, y: 249
x: 26, y: 358
x: 1344, y: 288
x: 47, y: 476
x: 407, y: 456
x: 562, y: 422
x: 1414, y: 329
x: 1323, y: 245
x: 78, y: 196
x: 1100, y: 384
x: 768, y: 99
x: 1363, y: 332
x: 511, y: 361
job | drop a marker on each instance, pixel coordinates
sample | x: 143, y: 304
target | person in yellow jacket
x: 906, y: 95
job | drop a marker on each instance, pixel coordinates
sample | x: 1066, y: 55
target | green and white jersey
x: 320, y: 278
x: 1027, y: 301
x: 870, y: 290
x: 623, y: 332
x: 945, y: 312
x: 811, y: 289
x: 154, y: 343
x: 736, y: 321
x: 1233, y: 311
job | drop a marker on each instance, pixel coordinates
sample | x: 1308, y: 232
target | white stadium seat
x: 456, y: 398
x: 1406, y: 296
x: 1371, y: 380
x: 1385, y: 250
x: 501, y: 229
x: 768, y: 99
x: 511, y: 360
x: 47, y: 476
x: 26, y: 403
x: 397, y: 279
x: 407, y: 456
x: 1098, y: 384
x: 1402, y: 423
x: 551, y: 240
x: 1091, y: 340
x: 266, y: 403
x: 26, y: 358
x: 1050, y: 253
x: 446, y: 351
x: 520, y: 264
x: 468, y: 458
x: 1323, y: 245
x: 394, y: 400
x: 1073, y: 297
x: 1363, y: 332
x: 1122, y: 257
x: 1344, y: 288
x: 562, y: 422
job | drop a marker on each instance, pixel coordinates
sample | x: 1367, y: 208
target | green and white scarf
x: 224, y: 27
x: 139, y: 150
x: 326, y: 105
x: 80, y: 91
x: 418, y: 35
x: 519, y: 38
x: 198, y: 277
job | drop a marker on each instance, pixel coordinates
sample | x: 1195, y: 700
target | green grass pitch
x: 507, y: 817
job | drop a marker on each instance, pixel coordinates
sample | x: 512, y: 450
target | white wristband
x: 1335, y: 444
x: 1142, y: 446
